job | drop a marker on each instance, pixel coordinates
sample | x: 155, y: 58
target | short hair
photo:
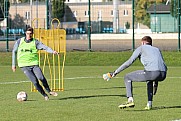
x: 148, y: 39
x: 29, y: 29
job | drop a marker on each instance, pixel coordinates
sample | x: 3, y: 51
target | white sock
x: 149, y: 103
x: 130, y: 99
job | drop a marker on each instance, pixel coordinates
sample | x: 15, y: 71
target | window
x: 74, y: 13
x: 112, y: 13
x: 27, y: 15
x: 125, y: 12
x: 115, y: 13
x: 99, y: 15
x: 86, y: 13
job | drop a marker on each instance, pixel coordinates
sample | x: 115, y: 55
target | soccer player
x: 155, y: 70
x: 25, y: 50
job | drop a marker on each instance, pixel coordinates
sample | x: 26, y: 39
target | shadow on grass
x: 29, y: 100
x: 156, y: 108
x: 95, y: 88
x: 163, y: 107
x: 91, y: 96
x: 102, y: 88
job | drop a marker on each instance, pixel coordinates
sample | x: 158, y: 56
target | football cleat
x: 148, y: 107
x: 53, y: 93
x: 46, y: 98
x: 127, y: 105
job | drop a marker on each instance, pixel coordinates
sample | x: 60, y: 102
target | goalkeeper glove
x: 108, y: 76
x: 155, y: 87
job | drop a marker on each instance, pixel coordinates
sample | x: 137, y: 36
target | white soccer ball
x: 22, y: 96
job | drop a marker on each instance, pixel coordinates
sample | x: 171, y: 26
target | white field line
x: 14, y: 82
x: 72, y: 78
x: 177, y: 120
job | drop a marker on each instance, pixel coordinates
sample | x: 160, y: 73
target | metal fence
x: 97, y: 26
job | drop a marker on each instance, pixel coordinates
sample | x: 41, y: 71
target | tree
x: 174, y: 8
x: 2, y: 12
x: 58, y: 9
x: 141, y: 15
x: 17, y: 22
x: 127, y: 25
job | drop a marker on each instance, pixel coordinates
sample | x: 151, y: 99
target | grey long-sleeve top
x: 39, y: 46
x: 151, y: 58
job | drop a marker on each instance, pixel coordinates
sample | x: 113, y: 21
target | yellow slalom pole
x: 45, y: 56
x: 50, y: 70
x: 64, y: 51
x: 63, y: 73
x: 54, y: 37
x: 54, y: 70
x: 59, y: 75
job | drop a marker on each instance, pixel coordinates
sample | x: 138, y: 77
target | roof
x: 161, y: 8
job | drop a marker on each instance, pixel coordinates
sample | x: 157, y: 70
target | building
x: 77, y: 12
x: 161, y: 19
x: 101, y: 13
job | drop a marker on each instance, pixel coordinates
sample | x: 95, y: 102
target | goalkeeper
x: 155, y: 70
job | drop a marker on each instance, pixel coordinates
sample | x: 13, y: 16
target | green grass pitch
x: 87, y: 97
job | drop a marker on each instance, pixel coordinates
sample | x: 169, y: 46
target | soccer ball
x: 22, y: 96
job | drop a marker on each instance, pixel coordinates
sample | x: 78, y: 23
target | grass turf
x: 172, y: 58
x: 87, y: 97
